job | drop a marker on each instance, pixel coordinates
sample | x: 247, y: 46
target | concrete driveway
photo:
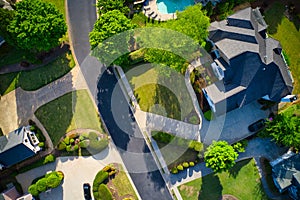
x: 77, y: 170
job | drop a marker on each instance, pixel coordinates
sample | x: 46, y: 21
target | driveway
x: 77, y: 170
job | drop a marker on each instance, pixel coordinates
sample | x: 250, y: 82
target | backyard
x: 160, y: 94
x: 242, y: 181
x: 36, y: 78
x: 71, y: 111
x: 288, y: 33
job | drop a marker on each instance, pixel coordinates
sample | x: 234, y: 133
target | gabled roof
x: 254, y: 61
x: 16, y: 147
x: 284, y: 169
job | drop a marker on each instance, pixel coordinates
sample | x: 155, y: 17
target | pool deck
x: 151, y: 10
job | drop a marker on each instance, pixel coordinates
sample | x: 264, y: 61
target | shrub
x: 53, y: 180
x: 112, y: 172
x: 100, y: 177
x: 286, y: 58
x: 163, y: 137
x: 67, y: 140
x: 84, y: 143
x: 85, y: 135
x: 33, y: 190
x: 41, y: 185
x: 93, y: 136
x: 107, y: 168
x: 48, y: 159
x: 69, y: 148
x: 174, y: 170
x: 73, y: 135
x: 208, y: 115
x: 185, y: 164
x: 192, y: 164
x: 41, y: 144
x: 75, y: 148
x: 197, y: 146
x: 72, y: 141
x: 180, y: 167
x: 62, y: 146
x: 98, y: 145
x: 104, y: 193
x: 81, y: 138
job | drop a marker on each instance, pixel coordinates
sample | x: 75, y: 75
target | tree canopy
x: 109, y: 24
x: 6, y: 16
x: 285, y: 129
x: 108, y: 5
x: 220, y: 156
x: 37, y: 25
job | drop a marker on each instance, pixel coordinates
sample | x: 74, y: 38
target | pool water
x: 171, y: 6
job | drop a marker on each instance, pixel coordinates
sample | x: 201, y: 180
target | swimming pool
x: 171, y: 6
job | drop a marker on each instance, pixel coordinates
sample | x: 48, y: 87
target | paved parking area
x: 77, y: 170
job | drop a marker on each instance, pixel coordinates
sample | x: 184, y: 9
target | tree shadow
x: 234, y: 171
x: 211, y: 188
x: 273, y: 16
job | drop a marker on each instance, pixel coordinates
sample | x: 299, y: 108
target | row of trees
x: 34, y: 25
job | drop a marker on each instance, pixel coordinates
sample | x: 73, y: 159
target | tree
x: 6, y: 16
x: 108, y: 5
x: 285, y: 129
x: 109, y: 24
x: 37, y: 25
x: 220, y: 156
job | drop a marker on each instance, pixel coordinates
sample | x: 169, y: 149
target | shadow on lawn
x: 211, y: 187
x: 234, y: 171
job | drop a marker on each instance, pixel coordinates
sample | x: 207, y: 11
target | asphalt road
x: 114, y: 107
x: 82, y: 16
x: 128, y: 138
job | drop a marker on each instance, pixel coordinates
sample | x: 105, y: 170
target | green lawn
x: 122, y: 184
x: 159, y: 94
x: 288, y: 33
x: 71, y: 111
x: 59, y: 4
x: 243, y: 182
x: 34, y: 79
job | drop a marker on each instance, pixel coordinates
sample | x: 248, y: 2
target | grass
x: 160, y: 94
x: 71, y: 111
x: 243, y: 182
x: 288, y: 33
x: 122, y: 184
x: 37, y: 78
x: 59, y: 4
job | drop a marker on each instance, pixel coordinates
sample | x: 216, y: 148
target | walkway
x: 18, y: 106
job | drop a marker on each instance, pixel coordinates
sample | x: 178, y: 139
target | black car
x: 257, y: 126
x: 87, y: 191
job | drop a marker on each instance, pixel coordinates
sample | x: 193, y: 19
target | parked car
x: 257, y: 126
x: 87, y: 191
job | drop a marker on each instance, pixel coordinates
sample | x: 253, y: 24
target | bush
x: 163, y: 137
x: 32, y: 189
x: 48, y: 159
x: 286, y: 58
x: 185, y: 164
x: 72, y: 141
x: 98, y: 145
x: 75, y: 148
x: 53, y: 180
x: 41, y: 185
x: 84, y: 143
x: 85, y: 135
x: 180, y: 167
x: 100, y: 177
x: 73, y: 135
x: 81, y: 138
x: 67, y: 140
x: 174, y: 170
x: 208, y: 115
x: 104, y: 193
x: 69, y: 148
x: 62, y: 146
x: 41, y: 144
x: 240, y: 146
x: 93, y: 136
x: 192, y: 164
x: 197, y: 146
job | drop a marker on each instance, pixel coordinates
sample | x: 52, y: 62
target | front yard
x: 71, y: 111
x: 242, y: 181
x: 160, y: 94
x: 288, y: 33
x: 36, y: 78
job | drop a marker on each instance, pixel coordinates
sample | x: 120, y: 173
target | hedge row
x: 51, y: 180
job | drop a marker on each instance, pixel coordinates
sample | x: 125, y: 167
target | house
x: 10, y: 194
x: 17, y: 146
x: 248, y: 64
x: 286, y: 174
